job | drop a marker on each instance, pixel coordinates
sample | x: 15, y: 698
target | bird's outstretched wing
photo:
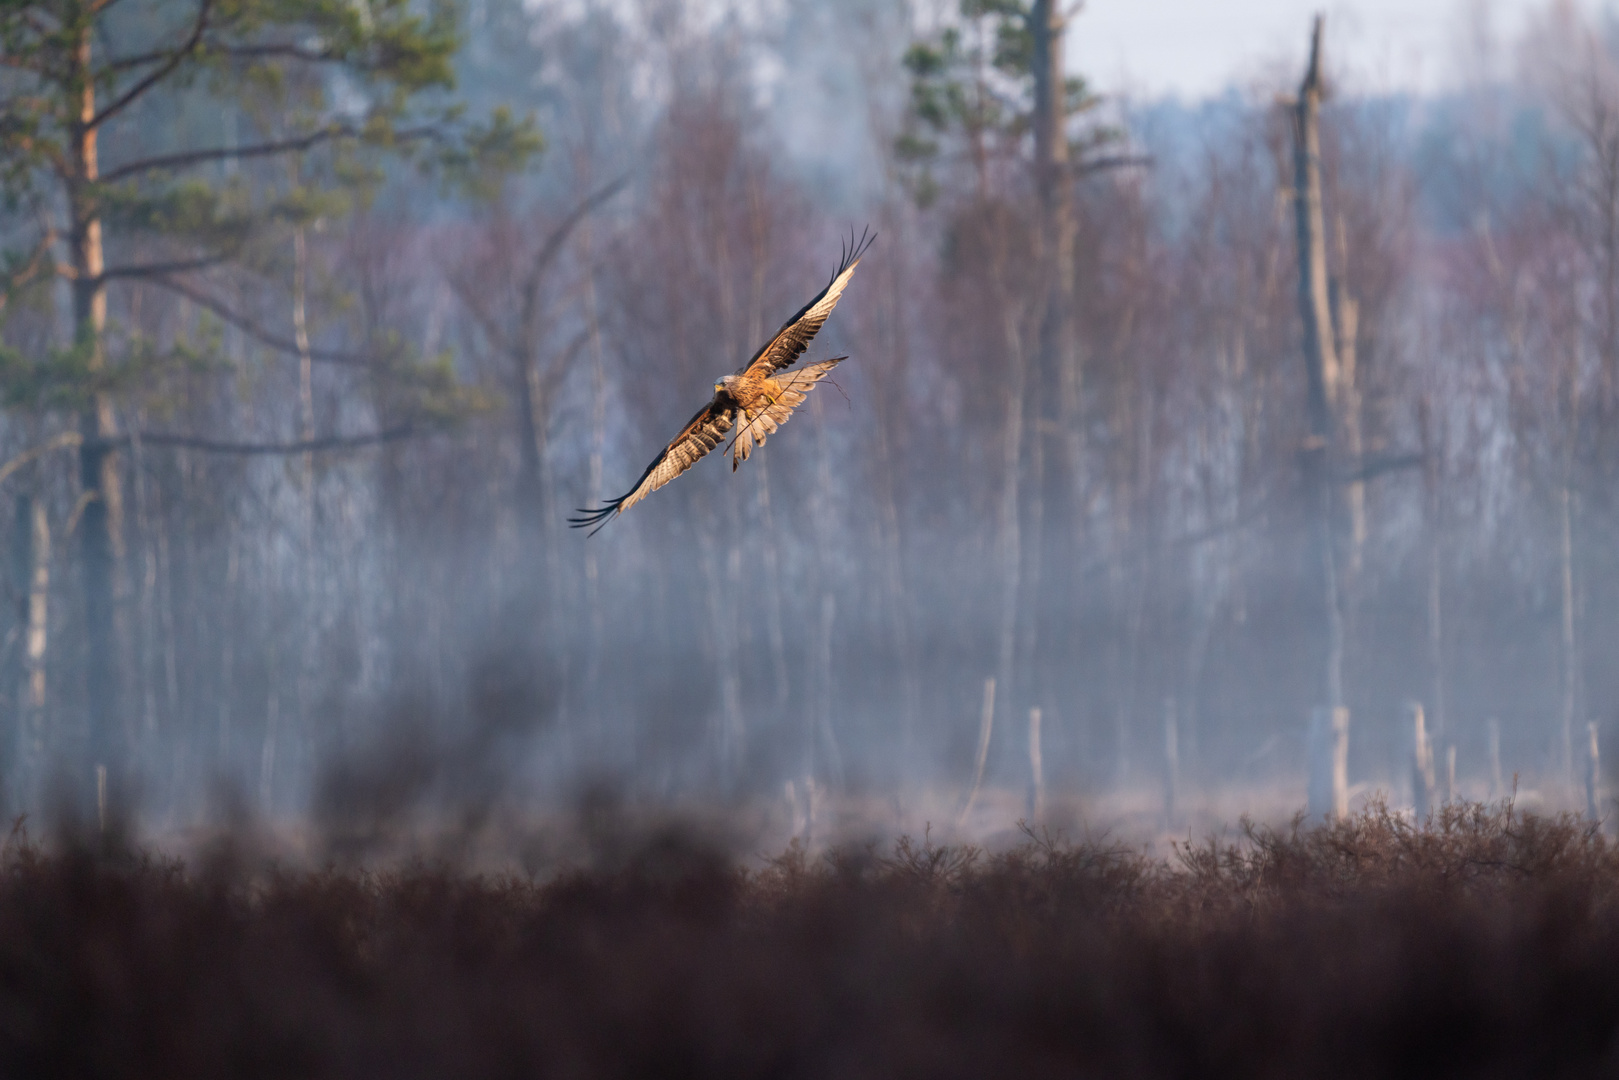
x: 700, y: 435
x: 794, y: 336
x: 757, y: 423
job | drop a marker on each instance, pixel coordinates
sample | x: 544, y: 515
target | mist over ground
x: 337, y: 593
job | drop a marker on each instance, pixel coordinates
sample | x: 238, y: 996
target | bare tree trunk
x: 146, y: 639
x: 32, y: 553
x: 267, y: 748
x: 772, y: 584
x: 1320, y: 356
x: 227, y: 649
x: 1056, y: 386
x: 1494, y: 735
x: 309, y: 602
x: 1037, y: 771
x: 1033, y: 542
x: 823, y: 711
x: 101, y: 526
x: 1346, y: 324
x: 1422, y: 769
x: 899, y: 599
x: 1432, y: 455
x: 1010, y: 543
x: 598, y: 439
x: 888, y: 389
x: 986, y: 728
x: 718, y: 587
x: 1315, y: 310
x: 1172, y: 763
x: 1570, y: 644
x: 769, y: 546
x: 1328, y: 753
x: 1593, y: 775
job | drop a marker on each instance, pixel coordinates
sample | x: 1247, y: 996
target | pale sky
x: 1193, y: 48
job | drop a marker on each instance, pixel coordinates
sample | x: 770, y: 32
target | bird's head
x: 725, y: 384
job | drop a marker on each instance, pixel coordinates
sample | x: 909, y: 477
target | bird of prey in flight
x: 756, y: 400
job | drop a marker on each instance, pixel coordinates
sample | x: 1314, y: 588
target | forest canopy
x: 318, y: 317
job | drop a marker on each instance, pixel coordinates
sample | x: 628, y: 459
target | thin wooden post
x: 1037, y: 778
x: 1422, y: 777
x: 986, y: 725
x: 1450, y: 773
x: 1327, y: 748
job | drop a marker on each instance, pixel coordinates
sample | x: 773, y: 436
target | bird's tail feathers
x: 795, y: 385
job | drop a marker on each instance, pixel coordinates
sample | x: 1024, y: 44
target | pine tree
x: 107, y: 179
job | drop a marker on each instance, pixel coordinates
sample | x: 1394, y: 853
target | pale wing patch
x: 701, y: 434
x: 787, y: 392
x: 704, y: 433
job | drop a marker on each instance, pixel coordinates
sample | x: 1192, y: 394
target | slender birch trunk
x: 1433, y: 454
x: 823, y: 694
x: 32, y: 553
x: 228, y: 630
x: 769, y: 541
x: 308, y: 606
x: 1058, y: 376
x: 986, y: 729
x: 598, y: 440
x: 893, y: 540
x: 1010, y: 543
x: 1570, y: 643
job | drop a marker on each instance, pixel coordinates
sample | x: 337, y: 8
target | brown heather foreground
x: 1483, y: 944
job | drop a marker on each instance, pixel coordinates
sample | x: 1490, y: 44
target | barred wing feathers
x: 790, y: 389
x: 700, y: 435
x: 794, y: 336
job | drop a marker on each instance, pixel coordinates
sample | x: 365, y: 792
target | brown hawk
x: 755, y: 401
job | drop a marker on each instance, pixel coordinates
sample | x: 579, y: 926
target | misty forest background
x: 300, y: 483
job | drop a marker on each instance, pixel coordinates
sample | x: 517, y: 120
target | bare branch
x: 66, y: 440
x: 1374, y: 465
x: 468, y: 295
x: 220, y: 153
x: 254, y: 330
x: 176, y: 58
x: 1114, y: 161
x: 553, y: 246
x: 124, y: 63
x: 468, y: 292
x: 157, y: 270
x: 305, y: 446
